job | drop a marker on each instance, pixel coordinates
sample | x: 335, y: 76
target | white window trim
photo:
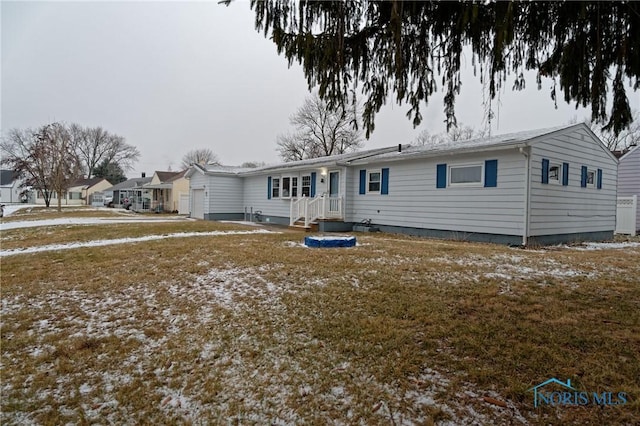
x: 291, y: 186
x: 273, y: 187
x: 595, y: 177
x: 465, y: 184
x: 282, y: 195
x: 297, y: 186
x: 301, y: 186
x: 555, y: 181
x: 369, y: 172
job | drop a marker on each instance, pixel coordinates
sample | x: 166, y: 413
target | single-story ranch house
x: 536, y: 187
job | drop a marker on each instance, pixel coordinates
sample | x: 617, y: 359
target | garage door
x: 198, y: 203
x: 183, y: 204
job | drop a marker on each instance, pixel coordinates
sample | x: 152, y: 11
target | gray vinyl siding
x: 414, y: 201
x: 255, y: 194
x: 571, y: 209
x: 224, y: 194
x: 629, y: 177
x: 196, y: 181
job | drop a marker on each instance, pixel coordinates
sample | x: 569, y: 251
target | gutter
x: 404, y: 155
x: 526, y: 151
x: 382, y: 151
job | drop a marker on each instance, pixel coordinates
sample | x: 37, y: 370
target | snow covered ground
x: 99, y: 243
x: 86, y: 221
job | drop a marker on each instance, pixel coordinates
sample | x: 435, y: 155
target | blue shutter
x: 491, y: 173
x: 565, y: 174
x: 384, y: 187
x: 441, y: 178
x: 599, y: 178
x: 363, y: 181
x: 583, y: 181
x: 313, y: 184
x: 545, y: 170
x: 269, y: 188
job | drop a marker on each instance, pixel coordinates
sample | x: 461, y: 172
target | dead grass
x: 256, y: 329
x: 38, y: 213
x: 59, y: 234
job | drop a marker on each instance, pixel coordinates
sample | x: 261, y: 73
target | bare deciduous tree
x: 320, y: 131
x: 458, y: 133
x: 46, y: 157
x: 253, y: 164
x: 199, y: 156
x: 626, y: 138
x: 96, y: 145
x: 64, y: 162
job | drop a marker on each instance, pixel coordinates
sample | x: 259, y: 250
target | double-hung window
x: 306, y: 186
x: 374, y: 178
x: 275, y: 187
x: 289, y: 186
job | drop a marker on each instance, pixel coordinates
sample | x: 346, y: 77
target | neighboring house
x: 179, y: 195
x: 10, y: 187
x: 83, y: 189
x: 124, y: 191
x: 537, y: 187
x: 157, y: 195
x: 629, y: 183
x: 79, y: 192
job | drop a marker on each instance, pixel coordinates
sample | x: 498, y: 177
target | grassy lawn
x: 258, y: 329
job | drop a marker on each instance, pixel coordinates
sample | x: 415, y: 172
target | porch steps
x: 299, y: 226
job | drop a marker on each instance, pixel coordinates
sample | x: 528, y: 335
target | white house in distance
x: 10, y: 187
x: 79, y: 192
x: 628, y: 187
x: 537, y: 187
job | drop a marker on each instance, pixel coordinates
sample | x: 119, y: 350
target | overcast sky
x: 171, y: 77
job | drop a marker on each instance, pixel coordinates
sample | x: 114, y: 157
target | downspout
x: 527, y: 188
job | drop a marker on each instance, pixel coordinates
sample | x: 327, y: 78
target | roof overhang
x: 157, y: 186
x: 410, y: 155
x: 628, y: 153
x: 320, y: 162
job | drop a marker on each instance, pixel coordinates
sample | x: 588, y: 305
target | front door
x: 334, y: 194
x: 334, y: 184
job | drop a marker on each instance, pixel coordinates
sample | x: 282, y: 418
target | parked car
x: 108, y: 201
x: 1, y: 210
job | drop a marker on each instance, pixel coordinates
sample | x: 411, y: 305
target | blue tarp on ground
x: 330, y: 241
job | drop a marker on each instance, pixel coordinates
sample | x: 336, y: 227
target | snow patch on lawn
x: 605, y: 246
x: 73, y: 221
x: 247, y: 364
x: 100, y: 243
x: 242, y: 222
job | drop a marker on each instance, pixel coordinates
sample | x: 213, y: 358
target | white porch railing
x: 312, y: 209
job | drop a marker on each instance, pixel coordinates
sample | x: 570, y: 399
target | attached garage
x: 216, y: 192
x: 197, y: 201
